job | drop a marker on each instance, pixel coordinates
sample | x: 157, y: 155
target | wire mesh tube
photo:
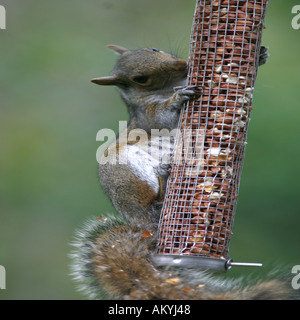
x: 201, y: 196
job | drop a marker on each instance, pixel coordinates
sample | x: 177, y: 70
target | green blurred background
x: 50, y: 114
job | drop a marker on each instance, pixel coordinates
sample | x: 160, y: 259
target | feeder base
x: 190, y: 262
x: 198, y: 262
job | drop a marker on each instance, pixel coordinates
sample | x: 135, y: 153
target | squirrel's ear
x: 117, y: 49
x: 105, y: 81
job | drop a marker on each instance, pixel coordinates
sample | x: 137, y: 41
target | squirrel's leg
x: 135, y: 194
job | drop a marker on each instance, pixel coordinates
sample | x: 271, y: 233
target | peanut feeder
x: 201, y: 196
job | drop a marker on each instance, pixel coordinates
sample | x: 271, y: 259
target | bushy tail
x: 111, y: 260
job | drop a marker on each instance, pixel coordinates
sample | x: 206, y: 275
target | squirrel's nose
x: 180, y: 65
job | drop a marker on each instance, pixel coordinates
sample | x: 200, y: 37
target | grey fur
x: 142, y: 280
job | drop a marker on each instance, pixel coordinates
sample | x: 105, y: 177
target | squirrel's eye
x: 141, y: 79
x: 153, y: 49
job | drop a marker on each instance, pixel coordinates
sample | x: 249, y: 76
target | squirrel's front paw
x: 183, y: 94
x: 188, y: 92
x: 164, y: 169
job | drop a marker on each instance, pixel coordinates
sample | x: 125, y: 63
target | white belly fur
x: 144, y: 160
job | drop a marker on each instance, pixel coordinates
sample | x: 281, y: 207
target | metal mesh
x: 201, y: 196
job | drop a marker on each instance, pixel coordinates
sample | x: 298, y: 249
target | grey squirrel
x: 146, y: 79
x: 111, y: 259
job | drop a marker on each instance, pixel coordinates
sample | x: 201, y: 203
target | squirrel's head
x: 144, y: 69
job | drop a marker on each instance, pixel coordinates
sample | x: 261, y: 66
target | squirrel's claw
x: 188, y: 92
x: 263, y: 55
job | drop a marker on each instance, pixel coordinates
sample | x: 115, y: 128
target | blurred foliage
x: 50, y: 114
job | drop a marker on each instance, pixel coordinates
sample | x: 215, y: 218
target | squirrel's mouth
x: 184, y: 71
